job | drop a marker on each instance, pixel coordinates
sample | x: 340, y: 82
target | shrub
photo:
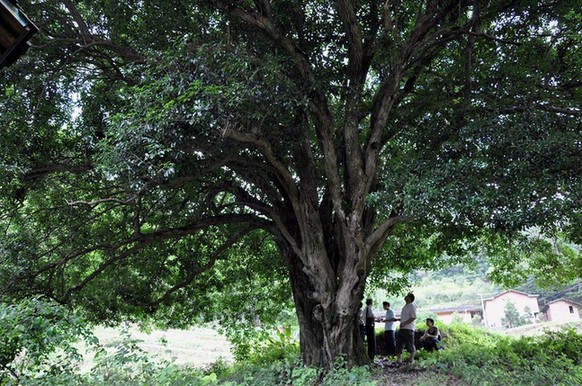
x: 279, y: 346
x: 567, y: 343
x: 288, y: 370
x: 37, y: 348
x: 260, y: 344
x: 480, y: 357
x: 37, y: 338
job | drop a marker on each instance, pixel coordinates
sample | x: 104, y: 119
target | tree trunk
x: 326, y: 333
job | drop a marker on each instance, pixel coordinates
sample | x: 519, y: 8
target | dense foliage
x: 37, y: 339
x: 190, y: 160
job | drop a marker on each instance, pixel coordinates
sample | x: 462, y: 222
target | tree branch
x: 554, y: 109
x: 89, y: 39
x: 354, y: 36
x: 40, y: 172
x: 266, y: 25
x: 195, y: 272
x: 283, y: 174
x: 377, y: 238
x: 94, y: 203
x: 318, y: 103
x: 85, y: 33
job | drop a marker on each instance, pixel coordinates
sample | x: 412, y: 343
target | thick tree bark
x: 328, y: 284
x: 325, y: 335
x: 328, y: 320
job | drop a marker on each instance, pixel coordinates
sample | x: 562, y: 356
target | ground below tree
x: 415, y: 375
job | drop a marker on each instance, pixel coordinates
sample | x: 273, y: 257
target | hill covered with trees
x: 462, y: 285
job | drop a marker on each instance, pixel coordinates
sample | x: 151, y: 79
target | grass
x: 473, y: 356
x: 540, y: 328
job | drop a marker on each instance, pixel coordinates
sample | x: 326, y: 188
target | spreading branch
x: 193, y: 273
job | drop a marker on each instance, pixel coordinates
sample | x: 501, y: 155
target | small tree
x: 477, y: 320
x: 528, y: 315
x: 512, y: 317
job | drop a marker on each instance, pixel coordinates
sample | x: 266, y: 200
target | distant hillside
x: 455, y: 286
x: 460, y: 285
x: 571, y: 292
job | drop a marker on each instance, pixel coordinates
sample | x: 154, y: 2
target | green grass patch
x: 480, y: 357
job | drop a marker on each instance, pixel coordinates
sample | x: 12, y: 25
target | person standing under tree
x: 370, y: 329
x: 362, y: 321
x: 406, y: 331
x: 389, y: 330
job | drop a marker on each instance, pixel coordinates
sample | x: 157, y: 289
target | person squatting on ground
x: 431, y: 338
x: 406, y: 331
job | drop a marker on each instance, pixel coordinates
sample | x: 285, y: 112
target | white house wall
x: 494, y: 309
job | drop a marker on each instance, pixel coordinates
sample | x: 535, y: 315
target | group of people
x: 396, y: 342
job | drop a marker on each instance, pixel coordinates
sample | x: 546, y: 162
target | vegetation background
x: 539, y: 354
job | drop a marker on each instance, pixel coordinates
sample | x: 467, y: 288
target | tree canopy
x: 156, y: 154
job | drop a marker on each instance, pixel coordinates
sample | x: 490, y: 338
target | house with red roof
x: 464, y: 313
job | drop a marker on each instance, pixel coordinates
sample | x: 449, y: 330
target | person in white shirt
x: 389, y: 330
x: 406, y: 331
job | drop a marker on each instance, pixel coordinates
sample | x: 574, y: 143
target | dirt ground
x: 413, y: 375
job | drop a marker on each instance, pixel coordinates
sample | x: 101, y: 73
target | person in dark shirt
x: 370, y: 329
x: 431, y: 337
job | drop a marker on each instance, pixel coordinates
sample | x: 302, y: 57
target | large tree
x: 144, y: 142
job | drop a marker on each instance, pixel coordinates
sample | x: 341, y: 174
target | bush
x: 294, y: 373
x: 481, y: 357
x: 37, y: 338
x: 567, y: 343
x: 277, y: 362
x: 38, y: 347
x: 280, y: 346
x: 340, y: 375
